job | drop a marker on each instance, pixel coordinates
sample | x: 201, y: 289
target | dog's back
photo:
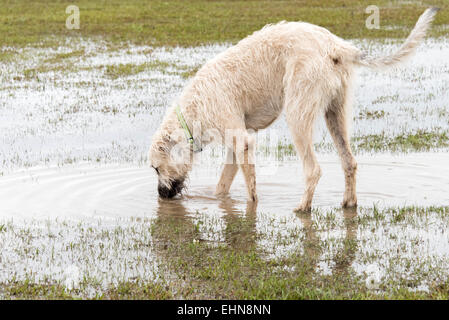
x: 250, y: 75
x: 249, y: 78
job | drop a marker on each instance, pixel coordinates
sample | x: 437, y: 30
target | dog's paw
x: 302, y: 208
x: 220, y: 191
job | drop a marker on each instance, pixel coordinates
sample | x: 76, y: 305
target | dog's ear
x: 166, y: 138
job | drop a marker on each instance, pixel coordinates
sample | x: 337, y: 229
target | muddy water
x: 103, y: 198
x: 124, y: 191
x: 63, y: 128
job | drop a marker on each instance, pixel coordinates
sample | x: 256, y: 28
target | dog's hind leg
x: 228, y: 174
x: 302, y: 137
x: 336, y: 120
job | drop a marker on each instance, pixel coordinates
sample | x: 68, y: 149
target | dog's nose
x: 165, y: 192
x: 172, y: 190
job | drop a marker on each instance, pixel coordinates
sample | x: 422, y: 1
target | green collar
x: 186, y: 130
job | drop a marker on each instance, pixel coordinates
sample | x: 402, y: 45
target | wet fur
x: 295, y: 67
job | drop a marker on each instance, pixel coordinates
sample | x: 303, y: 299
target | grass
x: 237, y: 266
x: 124, y: 290
x: 120, y: 70
x: 129, y: 69
x: 191, y: 23
x: 237, y: 269
x: 376, y: 114
x: 196, y: 262
x: 406, y: 142
x: 58, y: 58
x: 419, y: 141
x: 122, y: 266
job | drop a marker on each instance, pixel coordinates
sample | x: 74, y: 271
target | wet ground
x: 79, y: 207
x: 99, y: 220
x: 88, y: 102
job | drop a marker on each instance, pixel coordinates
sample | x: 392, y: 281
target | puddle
x: 90, y: 213
x: 127, y: 191
x: 97, y: 220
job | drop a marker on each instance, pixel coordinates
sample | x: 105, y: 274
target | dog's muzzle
x: 172, y: 190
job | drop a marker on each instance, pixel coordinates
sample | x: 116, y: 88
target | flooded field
x: 80, y: 217
x: 89, y: 102
x: 120, y: 191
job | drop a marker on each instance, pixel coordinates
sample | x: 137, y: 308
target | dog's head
x: 171, y: 162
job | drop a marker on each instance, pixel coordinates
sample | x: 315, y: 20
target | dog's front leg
x: 227, y: 175
x: 245, y: 158
x: 249, y: 173
x: 239, y: 140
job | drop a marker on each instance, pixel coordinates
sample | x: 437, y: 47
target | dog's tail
x: 408, y: 48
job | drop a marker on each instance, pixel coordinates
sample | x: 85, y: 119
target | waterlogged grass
x: 123, y: 70
x: 419, y: 141
x: 59, y: 259
x: 67, y: 63
x: 325, y: 254
x: 129, y: 69
x: 322, y: 255
x: 115, y: 98
x: 407, y: 142
x: 191, y: 23
x: 7, y: 55
x: 375, y: 114
x: 59, y: 57
x: 237, y: 268
x: 126, y: 290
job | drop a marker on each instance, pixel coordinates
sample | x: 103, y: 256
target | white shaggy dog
x: 297, y: 67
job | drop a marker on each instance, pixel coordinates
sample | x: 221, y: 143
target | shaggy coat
x: 295, y: 67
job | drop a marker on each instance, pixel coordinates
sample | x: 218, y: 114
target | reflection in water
x: 344, y: 258
x: 240, y: 231
x: 312, y: 248
x: 183, y: 251
x: 172, y: 224
x: 171, y: 208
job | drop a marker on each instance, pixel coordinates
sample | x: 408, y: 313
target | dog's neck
x: 171, y: 128
x: 190, y: 116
